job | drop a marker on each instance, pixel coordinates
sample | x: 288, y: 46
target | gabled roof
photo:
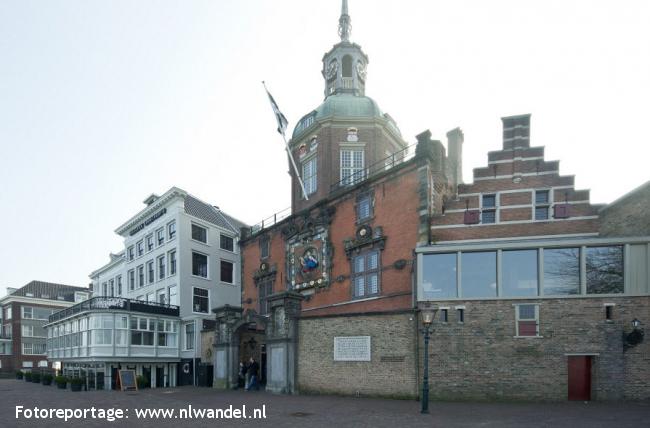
x: 211, y: 214
x: 48, y: 290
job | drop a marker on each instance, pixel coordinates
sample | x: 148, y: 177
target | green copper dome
x: 342, y: 106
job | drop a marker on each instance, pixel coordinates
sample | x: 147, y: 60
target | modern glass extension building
x: 96, y: 338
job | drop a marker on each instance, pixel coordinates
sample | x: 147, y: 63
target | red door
x: 579, y: 378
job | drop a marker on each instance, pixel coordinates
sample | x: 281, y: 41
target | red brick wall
x: 395, y: 210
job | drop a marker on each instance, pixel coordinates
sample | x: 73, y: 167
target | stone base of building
x: 392, y: 369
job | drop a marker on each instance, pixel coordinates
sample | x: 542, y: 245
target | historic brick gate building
x: 535, y: 287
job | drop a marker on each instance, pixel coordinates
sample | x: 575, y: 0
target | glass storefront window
x: 604, y: 267
x: 439, y: 276
x: 479, y: 274
x: 519, y: 273
x: 561, y: 271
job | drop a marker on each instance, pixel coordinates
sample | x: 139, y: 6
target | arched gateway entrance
x: 240, y: 334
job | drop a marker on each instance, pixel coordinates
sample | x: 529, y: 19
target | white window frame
x: 310, y: 174
x: 547, y: 204
x: 494, y: 209
x: 207, y: 237
x: 31, y: 317
x: 233, y: 243
x: 159, y: 242
x: 169, y: 262
x: 208, y: 297
x: 157, y: 268
x: 351, y: 168
x: 517, y: 319
x: 185, y: 347
x: 167, y: 227
x: 207, y: 265
x: 233, y: 272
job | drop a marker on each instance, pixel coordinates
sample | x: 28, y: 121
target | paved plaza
x: 310, y: 411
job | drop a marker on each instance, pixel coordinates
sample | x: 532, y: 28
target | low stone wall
x: 391, y: 371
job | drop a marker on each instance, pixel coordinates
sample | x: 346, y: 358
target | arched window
x: 347, y: 66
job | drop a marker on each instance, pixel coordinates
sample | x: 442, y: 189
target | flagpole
x: 282, y: 124
x: 295, y: 168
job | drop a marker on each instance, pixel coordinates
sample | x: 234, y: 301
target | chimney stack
x: 455, y: 139
x: 516, y: 131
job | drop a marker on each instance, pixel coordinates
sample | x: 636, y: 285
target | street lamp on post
x: 428, y: 315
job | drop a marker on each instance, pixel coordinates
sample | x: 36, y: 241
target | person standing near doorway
x: 253, y: 368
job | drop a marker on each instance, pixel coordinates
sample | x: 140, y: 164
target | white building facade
x: 153, y: 299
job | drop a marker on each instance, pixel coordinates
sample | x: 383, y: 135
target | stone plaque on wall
x: 278, y: 364
x: 221, y: 364
x: 352, y: 348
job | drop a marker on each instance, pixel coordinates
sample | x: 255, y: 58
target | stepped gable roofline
x: 48, y: 290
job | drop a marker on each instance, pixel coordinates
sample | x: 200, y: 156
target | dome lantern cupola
x: 344, y: 66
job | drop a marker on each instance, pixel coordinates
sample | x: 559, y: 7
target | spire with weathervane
x: 344, y: 66
x: 345, y: 27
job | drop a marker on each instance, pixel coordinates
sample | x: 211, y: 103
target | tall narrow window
x: 352, y: 167
x: 365, y: 274
x: 227, y: 272
x: 131, y: 280
x: 201, y: 300
x: 111, y: 287
x: 265, y: 247
x: 160, y: 236
x: 172, y: 262
x: 161, y: 267
x: 171, y: 230
x: 149, y: 242
x: 542, y: 204
x: 310, y: 176
x: 139, y: 248
x: 200, y: 265
x: 119, y: 285
x: 189, y: 336
x: 364, y: 207
x: 264, y: 289
x: 488, y: 209
x: 150, y: 272
x: 141, y: 276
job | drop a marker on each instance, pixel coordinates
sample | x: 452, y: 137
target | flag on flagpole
x: 282, y: 121
x: 282, y: 127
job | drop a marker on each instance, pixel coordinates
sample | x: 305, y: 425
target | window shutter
x: 561, y: 211
x: 472, y: 217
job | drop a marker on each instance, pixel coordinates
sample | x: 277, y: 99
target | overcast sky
x: 105, y: 102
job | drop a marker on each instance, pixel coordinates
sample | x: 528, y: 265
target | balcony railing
x: 116, y: 303
x: 374, y: 169
x: 354, y: 178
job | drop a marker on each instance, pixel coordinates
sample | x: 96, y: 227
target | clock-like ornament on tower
x: 332, y: 69
x: 361, y: 70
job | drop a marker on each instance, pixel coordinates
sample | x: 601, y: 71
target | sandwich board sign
x: 128, y: 381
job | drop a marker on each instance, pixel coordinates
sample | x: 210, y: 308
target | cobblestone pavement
x: 309, y: 411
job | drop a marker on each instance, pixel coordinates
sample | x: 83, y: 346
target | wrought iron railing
x: 116, y: 303
x: 378, y: 167
x: 349, y: 180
